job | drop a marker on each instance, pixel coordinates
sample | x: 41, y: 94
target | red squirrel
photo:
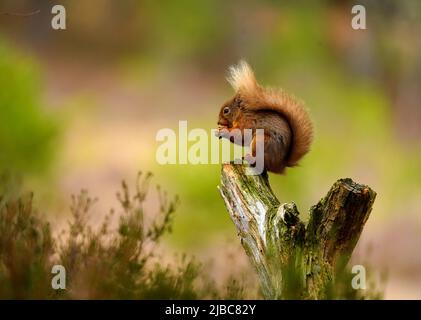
x: 288, y: 129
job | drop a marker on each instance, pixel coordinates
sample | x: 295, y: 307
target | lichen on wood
x: 293, y: 259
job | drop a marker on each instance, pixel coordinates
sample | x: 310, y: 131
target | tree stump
x: 293, y: 259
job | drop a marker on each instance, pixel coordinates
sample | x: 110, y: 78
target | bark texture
x: 293, y: 259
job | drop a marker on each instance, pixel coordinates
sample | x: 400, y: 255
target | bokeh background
x: 80, y: 108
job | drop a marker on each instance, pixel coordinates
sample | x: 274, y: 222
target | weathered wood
x: 291, y: 259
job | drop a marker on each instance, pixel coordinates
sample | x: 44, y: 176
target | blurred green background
x: 80, y: 108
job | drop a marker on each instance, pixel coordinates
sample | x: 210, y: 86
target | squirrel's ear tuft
x: 241, y: 77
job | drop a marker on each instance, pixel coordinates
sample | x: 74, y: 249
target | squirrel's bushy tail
x: 258, y: 98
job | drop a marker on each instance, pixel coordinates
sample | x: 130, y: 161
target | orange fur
x: 258, y: 98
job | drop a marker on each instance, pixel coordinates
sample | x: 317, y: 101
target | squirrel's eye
x: 226, y: 110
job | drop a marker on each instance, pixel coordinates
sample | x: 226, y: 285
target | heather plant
x: 117, y: 262
x: 26, y: 247
x: 100, y: 263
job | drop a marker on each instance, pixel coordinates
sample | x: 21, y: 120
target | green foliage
x: 106, y: 263
x: 26, y: 246
x: 26, y: 133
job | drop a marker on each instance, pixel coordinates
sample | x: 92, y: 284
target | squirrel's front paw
x: 218, y: 134
x: 222, y: 132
